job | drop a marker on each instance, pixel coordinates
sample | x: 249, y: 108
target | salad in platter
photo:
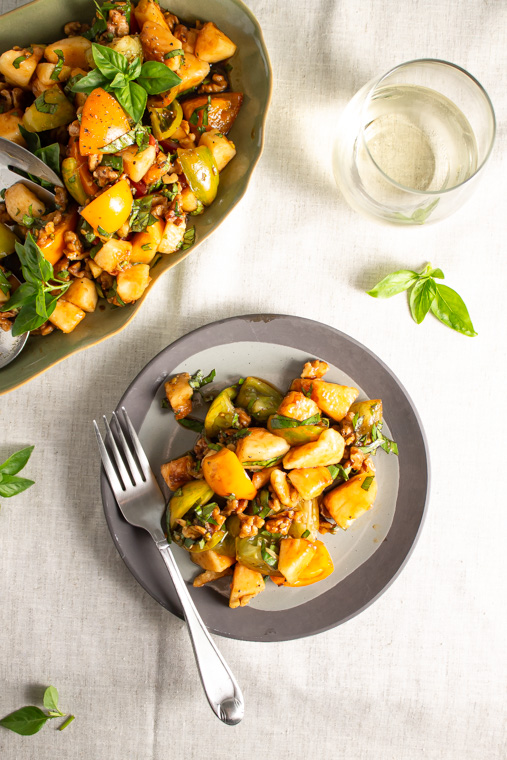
x: 133, y: 113
x: 269, y: 473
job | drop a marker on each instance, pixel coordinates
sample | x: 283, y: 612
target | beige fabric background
x: 421, y: 673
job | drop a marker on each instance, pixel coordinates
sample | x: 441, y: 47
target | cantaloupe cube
x: 82, y: 293
x: 212, y: 45
x: 173, y: 236
x: 131, y: 284
x: 245, y: 585
x: 350, y: 500
x: 136, y: 163
x: 113, y: 254
x: 210, y: 560
x: 66, y: 316
x: 9, y: 126
x: 222, y: 148
x: 19, y: 200
x: 145, y: 244
x: 74, y: 51
x: 20, y: 74
x: 295, y: 555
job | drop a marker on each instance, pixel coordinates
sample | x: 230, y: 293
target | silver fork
x: 142, y: 503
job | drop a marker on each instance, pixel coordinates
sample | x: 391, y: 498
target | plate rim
x: 313, y: 324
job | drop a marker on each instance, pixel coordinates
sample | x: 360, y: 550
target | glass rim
x: 442, y: 62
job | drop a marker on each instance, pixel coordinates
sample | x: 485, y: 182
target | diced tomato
x: 140, y: 188
x: 169, y: 146
x: 154, y: 141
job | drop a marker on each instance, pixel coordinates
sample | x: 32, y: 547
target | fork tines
x: 122, y: 454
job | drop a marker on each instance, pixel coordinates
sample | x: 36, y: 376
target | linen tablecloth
x: 422, y: 672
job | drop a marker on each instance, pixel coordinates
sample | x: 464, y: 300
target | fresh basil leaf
x: 5, y: 285
x: 129, y: 138
x: 279, y: 422
x: 437, y: 273
x: 27, y: 320
x: 305, y: 534
x: 173, y: 53
x: 26, y: 721
x: 138, y: 100
x: 262, y: 462
x: 98, y: 26
x: 366, y: 484
x: 393, y: 284
x: 89, y: 82
x: 55, y: 74
x: 191, y: 424
x: 31, y: 256
x: 23, y: 295
x: 19, y: 60
x: 198, y: 380
x: 43, y: 107
x: 16, y: 461
x: 50, y: 699
x: 11, y: 485
x: 32, y: 139
x: 115, y: 162
x: 140, y: 216
x: 155, y: 77
x: 119, y: 82
x: 108, y: 61
x: 450, y: 309
x: 134, y: 69
x: 50, y: 155
x: 422, y: 296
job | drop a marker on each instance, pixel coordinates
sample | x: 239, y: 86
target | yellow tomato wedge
x: 55, y: 246
x: 224, y: 474
x: 111, y: 209
x: 320, y: 566
x: 103, y: 120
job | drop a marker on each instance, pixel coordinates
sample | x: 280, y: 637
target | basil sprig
x: 130, y: 83
x: 49, y: 154
x: 10, y: 484
x: 427, y: 295
x: 30, y: 719
x: 198, y: 380
x: 5, y: 285
x: 36, y: 298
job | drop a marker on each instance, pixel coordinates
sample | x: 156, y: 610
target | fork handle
x: 223, y: 693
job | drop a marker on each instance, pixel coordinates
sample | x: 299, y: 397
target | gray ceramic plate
x: 42, y: 21
x: 367, y: 557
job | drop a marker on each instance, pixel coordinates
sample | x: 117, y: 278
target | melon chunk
x: 327, y: 449
x: 295, y: 555
x: 350, y: 500
x: 245, y: 585
x: 212, y: 45
x: 210, y: 560
x: 333, y: 399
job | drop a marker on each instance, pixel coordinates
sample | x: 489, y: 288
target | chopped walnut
x: 73, y: 247
x: 75, y: 270
x: 170, y: 19
x: 250, y: 525
x: 105, y: 175
x: 315, y: 369
x: 191, y: 531
x: 46, y: 234
x: 105, y: 281
x: 124, y: 231
x: 279, y: 524
x: 218, y: 518
x: 5, y: 320
x: 326, y: 527
x: 218, y: 83
x: 75, y: 29
x: 74, y: 128
x: 235, y: 506
x: 94, y: 160
x: 180, y: 31
x: 11, y: 96
x: 44, y: 329
x: 244, y: 418
x: 61, y: 198
x: 4, y: 216
x: 117, y: 25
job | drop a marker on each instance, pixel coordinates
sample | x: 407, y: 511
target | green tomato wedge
x: 201, y: 171
x: 249, y: 553
x: 72, y: 180
x: 214, y: 541
x: 259, y: 398
x: 221, y: 412
x: 310, y: 521
x: 7, y: 241
x: 193, y: 494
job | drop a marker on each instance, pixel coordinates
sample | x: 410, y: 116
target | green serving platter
x: 43, y: 21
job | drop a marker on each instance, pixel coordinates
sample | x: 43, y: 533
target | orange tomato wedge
x: 319, y: 568
x: 224, y: 474
x: 53, y: 249
x: 111, y: 209
x: 89, y: 185
x: 103, y: 120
